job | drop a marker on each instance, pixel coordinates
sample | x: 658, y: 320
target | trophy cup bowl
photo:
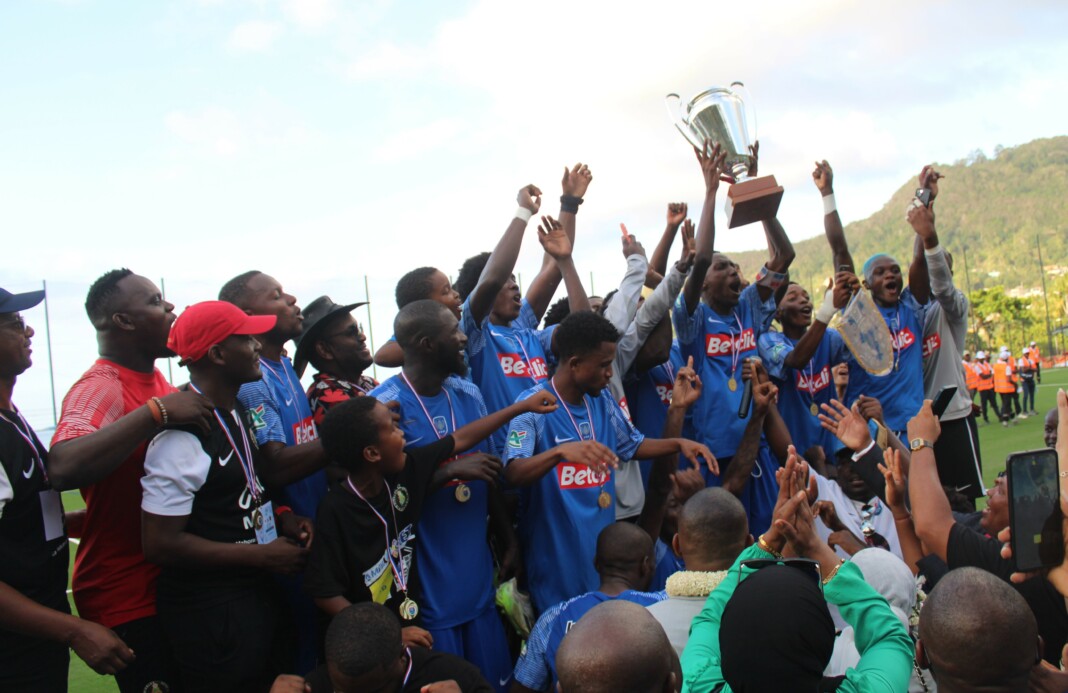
x: 720, y: 114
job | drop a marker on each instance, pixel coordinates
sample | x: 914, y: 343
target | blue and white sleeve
x: 532, y: 670
x: 522, y: 437
x: 263, y: 416
x: 687, y: 324
x: 774, y: 348
x: 627, y: 438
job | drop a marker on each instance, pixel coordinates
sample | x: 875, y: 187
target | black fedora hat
x: 316, y: 315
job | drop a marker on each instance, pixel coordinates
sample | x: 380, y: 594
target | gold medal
x: 257, y: 518
x: 814, y: 409
x: 604, y: 500
x: 409, y: 609
x: 463, y: 493
x: 732, y: 384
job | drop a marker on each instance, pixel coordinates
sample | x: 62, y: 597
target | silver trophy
x: 721, y: 115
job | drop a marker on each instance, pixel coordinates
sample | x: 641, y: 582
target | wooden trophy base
x: 753, y: 200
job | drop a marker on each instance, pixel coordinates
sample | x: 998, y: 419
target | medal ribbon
x: 409, y: 672
x: 897, y: 337
x: 29, y: 441
x: 398, y: 573
x: 251, y: 481
x: 567, y: 410
x: 735, y: 351
x: 426, y: 413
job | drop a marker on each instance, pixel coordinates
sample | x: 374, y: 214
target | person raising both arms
x: 507, y: 352
x: 718, y: 324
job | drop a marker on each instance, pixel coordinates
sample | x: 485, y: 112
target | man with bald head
x: 617, y: 646
x: 455, y: 564
x: 713, y: 530
x: 963, y: 625
x: 624, y: 562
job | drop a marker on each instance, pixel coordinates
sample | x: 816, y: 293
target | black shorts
x: 230, y: 645
x: 960, y: 463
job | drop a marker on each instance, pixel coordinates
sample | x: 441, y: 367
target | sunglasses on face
x: 354, y: 331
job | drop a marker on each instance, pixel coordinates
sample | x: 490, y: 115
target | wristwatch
x: 920, y: 444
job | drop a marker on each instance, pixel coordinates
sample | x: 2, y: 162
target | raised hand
x: 754, y: 151
x: 685, y: 483
x: 846, y: 425
x: 845, y: 540
x: 554, y: 239
x: 676, y: 212
x: 764, y: 395
x: 480, y: 466
x: 695, y: 452
x: 790, y: 484
x: 689, y: 247
x: 753, y: 368
x: 828, y: 515
x: 529, y: 197
x: 590, y: 453
x: 929, y: 179
x: 189, y: 407
x: 687, y: 388
x: 922, y: 220
x: 576, y: 180
x: 823, y: 177
x: 896, y: 483
x: 711, y: 158
x: 845, y: 285
x: 541, y: 402
x: 100, y: 648
x: 631, y: 246
x: 925, y: 424
x: 870, y: 408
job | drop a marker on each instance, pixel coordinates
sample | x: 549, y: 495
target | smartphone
x: 942, y: 400
x: 924, y: 196
x: 1035, y: 510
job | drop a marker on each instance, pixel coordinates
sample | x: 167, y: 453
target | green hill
x: 990, y: 209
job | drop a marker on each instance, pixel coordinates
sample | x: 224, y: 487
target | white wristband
x: 829, y: 205
x: 523, y: 213
x: 826, y: 309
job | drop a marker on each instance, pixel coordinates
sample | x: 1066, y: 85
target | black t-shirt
x: 349, y: 556
x: 968, y: 548
x: 188, y: 473
x: 427, y: 667
x: 30, y: 513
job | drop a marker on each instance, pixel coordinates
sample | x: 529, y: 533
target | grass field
x: 997, y: 443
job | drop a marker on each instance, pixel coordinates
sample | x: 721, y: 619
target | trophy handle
x: 673, y: 102
x: 750, y: 112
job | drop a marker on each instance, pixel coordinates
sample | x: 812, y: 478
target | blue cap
x: 13, y: 303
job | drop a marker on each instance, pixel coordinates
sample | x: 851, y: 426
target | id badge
x: 51, y: 514
x: 263, y: 521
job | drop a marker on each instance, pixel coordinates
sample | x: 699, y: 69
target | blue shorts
x: 760, y: 492
x: 483, y: 643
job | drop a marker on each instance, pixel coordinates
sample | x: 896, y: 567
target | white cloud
x: 213, y: 130
x: 254, y: 36
x: 310, y: 14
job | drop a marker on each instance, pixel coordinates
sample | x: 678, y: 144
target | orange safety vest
x: 971, y: 376
x: 986, y: 377
x: 1003, y: 383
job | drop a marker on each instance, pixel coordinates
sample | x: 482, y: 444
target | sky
x: 336, y: 145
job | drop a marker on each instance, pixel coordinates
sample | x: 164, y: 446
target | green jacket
x: 886, y: 650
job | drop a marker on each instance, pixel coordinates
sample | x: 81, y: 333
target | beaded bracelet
x: 162, y: 421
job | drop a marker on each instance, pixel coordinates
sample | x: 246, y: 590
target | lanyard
x: 567, y: 410
x: 452, y: 412
x: 251, y: 481
x: 283, y: 378
x: 897, y: 336
x: 409, y: 672
x: 29, y: 441
x: 398, y: 573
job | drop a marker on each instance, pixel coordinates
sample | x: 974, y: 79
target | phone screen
x: 942, y: 400
x: 1034, y: 509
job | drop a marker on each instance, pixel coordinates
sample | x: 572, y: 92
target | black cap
x: 316, y: 315
x: 13, y: 303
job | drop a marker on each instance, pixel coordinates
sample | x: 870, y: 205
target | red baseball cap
x: 203, y: 325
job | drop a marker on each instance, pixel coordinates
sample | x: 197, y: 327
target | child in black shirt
x: 364, y: 549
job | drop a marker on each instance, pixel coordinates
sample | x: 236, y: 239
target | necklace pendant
x: 463, y: 493
x: 814, y: 409
x: 604, y: 500
x: 732, y: 384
